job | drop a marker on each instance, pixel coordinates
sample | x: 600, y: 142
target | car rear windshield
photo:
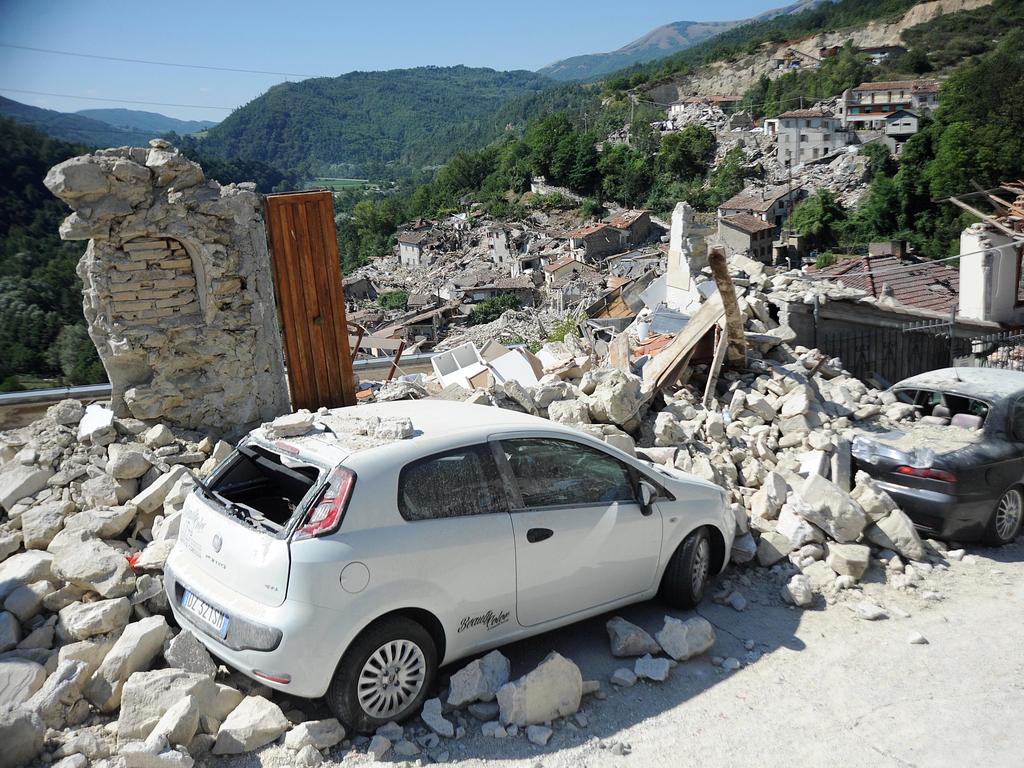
x: 946, y: 407
x: 264, y: 488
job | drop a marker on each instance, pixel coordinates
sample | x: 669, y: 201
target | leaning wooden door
x: 310, y: 299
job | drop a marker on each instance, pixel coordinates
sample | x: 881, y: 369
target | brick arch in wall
x: 154, y: 280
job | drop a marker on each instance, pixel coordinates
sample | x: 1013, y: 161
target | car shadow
x: 765, y: 626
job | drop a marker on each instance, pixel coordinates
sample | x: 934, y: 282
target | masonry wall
x: 177, y: 288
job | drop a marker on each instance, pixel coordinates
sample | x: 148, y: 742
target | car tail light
x: 326, y: 514
x: 927, y: 473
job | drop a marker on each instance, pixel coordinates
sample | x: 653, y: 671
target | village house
x: 867, y: 106
x: 359, y: 288
x: 771, y: 204
x: 635, y: 225
x: 596, y: 240
x: 808, y: 134
x: 749, y: 235
x: 565, y: 268
x: 899, y: 126
x: 412, y: 248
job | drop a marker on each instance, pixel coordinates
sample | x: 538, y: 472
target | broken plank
x: 618, y: 352
x: 716, y: 367
x: 737, y: 349
x: 664, y: 368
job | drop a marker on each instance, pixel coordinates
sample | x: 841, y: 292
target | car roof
x: 982, y: 383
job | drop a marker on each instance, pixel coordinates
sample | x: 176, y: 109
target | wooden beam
x: 618, y: 352
x: 987, y: 218
x: 737, y: 351
x: 716, y: 366
x: 665, y: 367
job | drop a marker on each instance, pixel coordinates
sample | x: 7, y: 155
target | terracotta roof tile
x: 919, y: 282
x: 747, y: 223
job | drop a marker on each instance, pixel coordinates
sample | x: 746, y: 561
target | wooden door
x: 310, y: 299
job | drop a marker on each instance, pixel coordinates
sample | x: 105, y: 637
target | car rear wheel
x: 687, y: 573
x: 384, y: 675
x: 1005, y: 523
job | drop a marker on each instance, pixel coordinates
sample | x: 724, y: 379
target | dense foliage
x: 489, y: 310
x: 948, y: 40
x: 42, y: 331
x: 418, y: 117
x: 393, y: 299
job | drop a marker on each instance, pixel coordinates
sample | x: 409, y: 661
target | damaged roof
x: 626, y: 219
x: 757, y: 200
x: 910, y: 280
x: 747, y: 223
x: 807, y: 113
x: 916, y: 86
x: 590, y: 229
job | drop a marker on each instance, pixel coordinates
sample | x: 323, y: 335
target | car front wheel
x: 1004, y: 525
x: 384, y: 675
x: 687, y: 573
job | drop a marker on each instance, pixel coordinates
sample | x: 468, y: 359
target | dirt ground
x: 821, y: 687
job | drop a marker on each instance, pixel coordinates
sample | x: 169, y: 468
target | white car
x: 342, y: 565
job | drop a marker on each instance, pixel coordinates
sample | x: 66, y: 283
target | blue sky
x: 309, y: 37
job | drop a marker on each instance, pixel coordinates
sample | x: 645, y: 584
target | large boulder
x: 849, y: 559
x: 133, y: 651
x: 147, y: 695
x: 831, y: 509
x: 21, y: 734
x: 24, y: 568
x: 126, y: 461
x: 19, y: 679
x: 10, y: 631
x: 253, y: 723
x: 875, y: 502
x: 896, y: 531
x: 685, y: 639
x: 184, y: 651
x: 178, y: 724
x: 18, y: 481
x: 798, y: 591
x: 554, y: 689
x: 39, y: 524
x: 479, y: 680
x: 95, y: 565
x: 615, y: 397
x: 627, y: 639
x: 321, y: 734
x: 61, y: 690
x: 80, y: 621
x: 772, y: 547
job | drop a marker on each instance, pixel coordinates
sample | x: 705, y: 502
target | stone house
x: 412, y: 251
x: 867, y: 106
x: 808, y: 134
x: 635, y: 224
x: 565, y: 268
x: 596, y: 240
x: 771, y: 204
x: 900, y: 126
x: 749, y: 235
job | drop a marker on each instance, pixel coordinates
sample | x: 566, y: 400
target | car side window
x: 557, y: 472
x: 456, y: 483
x: 1017, y: 421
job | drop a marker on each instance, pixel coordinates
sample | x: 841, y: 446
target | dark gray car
x: 958, y: 472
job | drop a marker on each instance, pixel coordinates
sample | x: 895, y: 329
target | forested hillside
x: 139, y: 120
x: 417, y: 117
x: 42, y: 330
x: 72, y: 127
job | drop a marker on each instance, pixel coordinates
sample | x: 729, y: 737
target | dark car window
x: 556, y: 472
x: 1017, y: 421
x: 455, y: 483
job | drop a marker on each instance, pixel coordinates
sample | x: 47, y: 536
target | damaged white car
x: 352, y: 561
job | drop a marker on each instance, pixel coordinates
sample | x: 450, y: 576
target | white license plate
x: 209, y: 615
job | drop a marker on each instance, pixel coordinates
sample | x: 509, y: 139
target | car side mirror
x: 647, y: 495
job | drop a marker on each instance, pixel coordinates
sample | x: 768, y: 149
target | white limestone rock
x: 178, y: 724
x: 554, y: 689
x: 896, y: 531
x: 95, y: 565
x: 772, y: 547
x: 650, y: 668
x: 81, y: 621
x: 21, y: 733
x: 434, y: 719
x: 320, y: 734
x: 18, y: 481
x: 134, y: 650
x: 184, y: 651
x: 19, y: 680
x: 623, y: 677
x: 798, y: 591
x: 479, y: 680
x: 253, y: 723
x: 849, y: 559
x: 832, y: 509
x: 147, y: 695
x: 683, y: 640
x: 627, y: 639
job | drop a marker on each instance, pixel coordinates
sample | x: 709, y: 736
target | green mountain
x: 413, y: 117
x: 656, y: 44
x: 150, y: 122
x: 72, y: 127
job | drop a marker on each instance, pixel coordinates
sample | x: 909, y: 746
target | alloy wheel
x: 1008, y: 514
x: 701, y: 562
x: 391, y: 679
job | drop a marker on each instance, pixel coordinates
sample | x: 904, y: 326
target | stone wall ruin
x: 177, y: 288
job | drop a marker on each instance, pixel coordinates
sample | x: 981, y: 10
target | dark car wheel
x: 1004, y: 525
x: 384, y: 675
x: 686, y: 575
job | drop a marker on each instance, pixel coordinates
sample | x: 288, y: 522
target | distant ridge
x: 138, y: 120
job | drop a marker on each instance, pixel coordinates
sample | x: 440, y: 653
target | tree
x: 879, y: 159
x: 819, y: 217
x: 393, y: 299
x: 687, y: 153
x: 916, y: 60
x: 626, y: 174
x: 489, y: 310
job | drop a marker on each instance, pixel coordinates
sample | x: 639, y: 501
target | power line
x: 117, y: 101
x: 154, y: 63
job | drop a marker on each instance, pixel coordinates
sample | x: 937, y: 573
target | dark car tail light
x: 928, y: 473
x: 325, y: 516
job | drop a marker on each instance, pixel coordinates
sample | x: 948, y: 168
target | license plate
x: 207, y: 613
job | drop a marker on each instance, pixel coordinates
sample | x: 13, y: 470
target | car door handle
x: 538, y: 534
